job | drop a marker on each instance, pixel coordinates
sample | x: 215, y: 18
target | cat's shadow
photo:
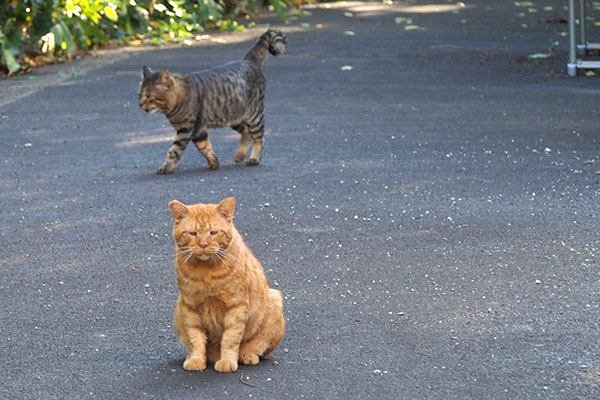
x: 198, y: 171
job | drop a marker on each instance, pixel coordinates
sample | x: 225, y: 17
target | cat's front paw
x: 249, y: 359
x: 165, y: 169
x: 213, y: 165
x: 239, y: 157
x: 194, y: 364
x: 224, y: 365
x: 252, y: 162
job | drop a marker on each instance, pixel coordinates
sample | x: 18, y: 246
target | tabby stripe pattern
x: 232, y: 94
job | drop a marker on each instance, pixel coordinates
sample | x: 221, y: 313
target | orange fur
x: 226, y: 312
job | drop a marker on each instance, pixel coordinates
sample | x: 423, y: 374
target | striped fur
x: 232, y: 94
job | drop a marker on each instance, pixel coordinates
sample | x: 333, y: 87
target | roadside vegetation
x: 38, y: 32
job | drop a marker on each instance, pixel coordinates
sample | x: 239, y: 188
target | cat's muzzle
x: 149, y: 110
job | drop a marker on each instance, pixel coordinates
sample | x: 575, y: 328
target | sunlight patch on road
x: 139, y: 141
x: 369, y: 9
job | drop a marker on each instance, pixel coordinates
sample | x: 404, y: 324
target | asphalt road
x: 430, y: 214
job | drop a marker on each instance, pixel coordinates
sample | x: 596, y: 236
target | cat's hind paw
x: 249, y: 359
x: 252, y: 162
x: 224, y: 365
x: 165, y: 169
x: 194, y: 364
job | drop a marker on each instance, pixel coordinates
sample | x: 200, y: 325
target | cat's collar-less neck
x: 180, y: 90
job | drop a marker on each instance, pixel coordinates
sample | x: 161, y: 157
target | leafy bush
x: 56, y: 29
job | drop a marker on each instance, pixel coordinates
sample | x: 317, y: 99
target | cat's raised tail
x: 273, y: 40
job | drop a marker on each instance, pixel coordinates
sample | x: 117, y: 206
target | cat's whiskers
x: 224, y: 256
x: 186, y: 254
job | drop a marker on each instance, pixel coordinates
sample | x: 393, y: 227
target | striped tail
x: 272, y: 40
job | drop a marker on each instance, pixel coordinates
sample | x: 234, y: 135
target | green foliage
x: 60, y: 28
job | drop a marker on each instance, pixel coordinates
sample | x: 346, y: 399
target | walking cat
x: 226, y: 312
x: 232, y: 94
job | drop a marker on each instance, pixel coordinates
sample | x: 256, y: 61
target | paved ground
x: 431, y: 214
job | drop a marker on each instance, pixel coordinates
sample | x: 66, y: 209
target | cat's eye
x: 191, y: 233
x: 213, y: 233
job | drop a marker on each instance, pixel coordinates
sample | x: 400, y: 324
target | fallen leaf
x: 538, y: 56
x: 348, y: 33
x: 403, y: 20
x: 412, y: 27
x: 347, y: 68
x: 590, y: 73
x: 219, y: 40
x: 348, y: 15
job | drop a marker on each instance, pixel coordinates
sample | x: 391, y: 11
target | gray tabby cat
x: 232, y: 94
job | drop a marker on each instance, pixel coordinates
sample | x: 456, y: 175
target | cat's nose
x: 203, y: 244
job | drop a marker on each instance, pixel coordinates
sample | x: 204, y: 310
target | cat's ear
x: 179, y: 210
x: 226, y: 208
x: 146, y: 71
x: 165, y: 78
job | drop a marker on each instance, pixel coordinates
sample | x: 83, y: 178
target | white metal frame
x: 583, y: 46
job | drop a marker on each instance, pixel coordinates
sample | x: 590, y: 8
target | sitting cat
x: 232, y: 94
x: 226, y: 312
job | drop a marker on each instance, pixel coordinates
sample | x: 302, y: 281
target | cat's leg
x: 269, y: 335
x: 257, y: 145
x: 277, y: 324
x: 176, y: 151
x: 256, y: 128
x: 234, y: 326
x: 203, y: 145
x: 244, y: 142
x: 187, y: 325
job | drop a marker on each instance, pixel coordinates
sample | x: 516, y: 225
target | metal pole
x: 582, y: 46
x: 572, y: 64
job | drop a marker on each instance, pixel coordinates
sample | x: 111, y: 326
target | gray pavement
x: 431, y: 215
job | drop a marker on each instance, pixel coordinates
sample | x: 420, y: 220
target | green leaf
x: 278, y: 5
x: 93, y: 33
x: 10, y: 61
x: 111, y: 14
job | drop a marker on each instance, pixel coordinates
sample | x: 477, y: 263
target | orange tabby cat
x: 226, y: 312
